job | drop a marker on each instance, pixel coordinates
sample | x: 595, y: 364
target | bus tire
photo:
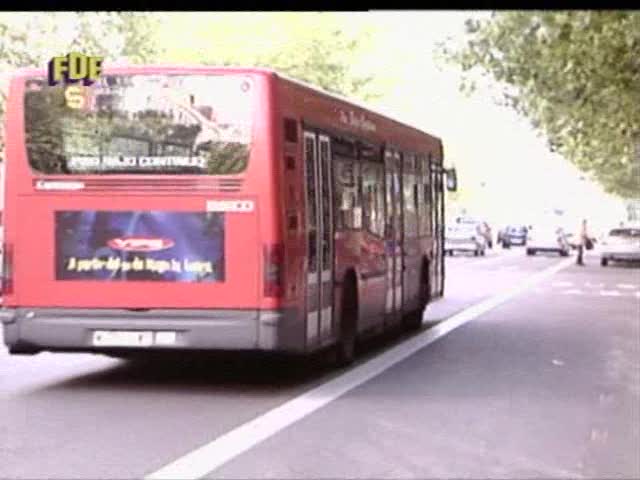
x: 346, y: 346
x: 19, y: 350
x: 413, y: 320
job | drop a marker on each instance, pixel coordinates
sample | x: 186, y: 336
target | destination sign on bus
x: 80, y: 163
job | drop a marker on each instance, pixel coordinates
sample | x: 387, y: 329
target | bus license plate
x: 118, y: 338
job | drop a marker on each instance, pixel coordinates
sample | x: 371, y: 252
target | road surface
x: 543, y: 382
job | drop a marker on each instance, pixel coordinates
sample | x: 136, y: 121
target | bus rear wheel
x: 346, y: 347
x: 413, y: 320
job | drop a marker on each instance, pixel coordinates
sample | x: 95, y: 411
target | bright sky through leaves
x: 505, y: 169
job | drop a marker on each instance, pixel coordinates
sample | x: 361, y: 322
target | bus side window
x: 425, y: 224
x: 373, y: 201
x: 347, y: 194
x: 310, y: 161
x: 409, y: 200
x: 347, y: 185
x: 290, y: 130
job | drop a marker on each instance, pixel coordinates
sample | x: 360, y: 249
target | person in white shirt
x: 581, y: 241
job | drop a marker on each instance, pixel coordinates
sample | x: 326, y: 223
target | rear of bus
x: 140, y: 213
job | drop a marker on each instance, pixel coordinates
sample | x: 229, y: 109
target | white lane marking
x: 487, y: 260
x: 610, y: 293
x: 637, y: 294
x: 627, y: 286
x: 562, y: 284
x: 211, y: 456
x: 593, y: 285
x: 500, y: 256
x: 573, y: 291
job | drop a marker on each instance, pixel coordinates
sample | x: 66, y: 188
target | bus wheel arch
x: 348, y: 326
x: 413, y: 320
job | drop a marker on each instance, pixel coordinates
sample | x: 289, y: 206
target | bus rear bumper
x: 31, y: 330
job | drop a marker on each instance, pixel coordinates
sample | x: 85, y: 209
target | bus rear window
x: 160, y: 124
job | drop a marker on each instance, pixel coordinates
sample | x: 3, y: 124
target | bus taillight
x: 273, y: 270
x: 7, y: 269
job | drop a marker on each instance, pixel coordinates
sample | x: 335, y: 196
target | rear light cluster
x: 7, y: 269
x: 273, y: 270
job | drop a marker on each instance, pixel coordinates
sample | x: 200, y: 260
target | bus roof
x: 190, y: 68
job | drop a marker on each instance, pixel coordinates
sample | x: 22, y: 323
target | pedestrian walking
x: 583, y: 241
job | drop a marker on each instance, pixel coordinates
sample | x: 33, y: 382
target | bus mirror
x: 452, y: 180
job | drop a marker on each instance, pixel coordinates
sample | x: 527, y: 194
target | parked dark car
x: 513, y: 235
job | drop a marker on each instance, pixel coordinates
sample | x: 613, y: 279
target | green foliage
x: 313, y: 47
x: 575, y: 75
x: 31, y: 39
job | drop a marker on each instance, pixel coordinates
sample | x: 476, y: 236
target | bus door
x: 319, y: 238
x: 393, y: 236
x: 437, y: 224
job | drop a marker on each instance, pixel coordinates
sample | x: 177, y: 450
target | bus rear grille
x: 168, y: 185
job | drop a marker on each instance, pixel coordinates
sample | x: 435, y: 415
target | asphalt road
x: 544, y: 385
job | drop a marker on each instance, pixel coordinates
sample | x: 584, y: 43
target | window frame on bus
x: 409, y: 169
x: 344, y: 222
x: 368, y: 163
x: 425, y: 228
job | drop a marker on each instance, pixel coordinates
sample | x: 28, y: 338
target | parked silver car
x: 548, y: 239
x: 464, y: 237
x: 620, y: 244
x: 482, y: 227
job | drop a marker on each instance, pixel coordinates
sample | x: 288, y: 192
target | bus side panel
x: 353, y: 248
x: 412, y: 270
x: 373, y: 280
x: 288, y: 165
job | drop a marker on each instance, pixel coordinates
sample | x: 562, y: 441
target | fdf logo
x: 74, y: 67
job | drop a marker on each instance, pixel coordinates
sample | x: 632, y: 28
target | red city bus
x: 199, y: 208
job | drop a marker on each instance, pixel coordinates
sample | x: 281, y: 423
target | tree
x: 31, y: 39
x: 313, y: 47
x: 575, y: 75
